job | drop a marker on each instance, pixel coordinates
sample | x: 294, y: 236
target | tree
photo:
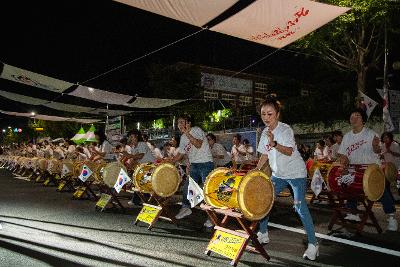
x: 355, y: 41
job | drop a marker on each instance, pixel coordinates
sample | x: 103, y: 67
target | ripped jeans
x: 299, y: 186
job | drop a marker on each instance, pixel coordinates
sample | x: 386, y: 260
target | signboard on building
x: 114, y: 129
x: 225, y: 83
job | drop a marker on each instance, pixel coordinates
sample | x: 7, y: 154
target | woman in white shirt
x: 319, y: 150
x: 277, y: 145
x: 220, y: 155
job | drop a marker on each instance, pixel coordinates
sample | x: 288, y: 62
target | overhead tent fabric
x: 33, y: 79
x: 61, y: 106
x: 84, y: 92
x: 101, y: 95
x: 143, y: 102
x: 195, y: 12
x: 48, y: 118
x: 277, y: 23
x: 274, y: 23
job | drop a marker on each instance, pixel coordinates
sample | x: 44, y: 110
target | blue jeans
x: 199, y: 173
x: 386, y: 200
x: 299, y: 186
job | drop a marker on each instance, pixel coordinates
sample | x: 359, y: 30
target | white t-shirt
x: 282, y: 166
x: 335, y: 149
x: 318, y: 153
x: 249, y: 153
x: 394, y: 147
x: 236, y: 156
x: 142, y: 147
x: 219, y: 150
x: 107, y: 148
x: 196, y: 155
x: 358, y: 147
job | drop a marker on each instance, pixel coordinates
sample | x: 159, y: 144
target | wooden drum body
x: 162, y: 179
x: 252, y: 193
x: 390, y: 171
x: 54, y: 166
x: 356, y: 180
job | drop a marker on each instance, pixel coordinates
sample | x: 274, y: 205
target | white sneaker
x: 263, y: 237
x: 183, y: 212
x: 312, y: 252
x: 353, y: 217
x: 392, y: 224
x: 208, y: 224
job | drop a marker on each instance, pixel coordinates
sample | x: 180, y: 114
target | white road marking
x: 339, y: 240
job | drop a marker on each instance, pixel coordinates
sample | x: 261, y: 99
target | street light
x: 9, y: 127
x: 33, y: 113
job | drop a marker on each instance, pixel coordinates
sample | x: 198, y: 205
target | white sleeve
x: 263, y: 142
x: 287, y: 138
x: 198, y: 133
x: 183, y: 143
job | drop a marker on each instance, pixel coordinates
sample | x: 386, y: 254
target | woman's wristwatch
x: 275, y: 144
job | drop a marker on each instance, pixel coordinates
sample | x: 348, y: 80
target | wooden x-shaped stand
x: 246, y: 233
x: 340, y: 212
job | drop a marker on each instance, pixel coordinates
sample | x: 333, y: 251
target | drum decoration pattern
x: 324, y: 168
x: 357, y: 180
x: 163, y: 179
x: 251, y: 193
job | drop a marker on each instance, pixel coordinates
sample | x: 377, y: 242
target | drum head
x: 256, y: 195
x: 211, y: 185
x: 390, y: 172
x: 165, y: 180
x: 373, y: 182
x: 110, y: 172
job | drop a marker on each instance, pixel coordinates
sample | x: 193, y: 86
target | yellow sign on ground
x: 148, y: 213
x: 61, y: 185
x: 226, y: 244
x: 46, y: 182
x: 79, y: 192
x: 103, y: 201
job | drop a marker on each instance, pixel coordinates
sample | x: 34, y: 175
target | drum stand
x: 84, y: 189
x: 161, y: 204
x: 340, y: 211
x: 247, y: 231
x: 113, y: 197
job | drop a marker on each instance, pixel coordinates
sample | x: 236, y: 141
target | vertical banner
x: 114, y: 129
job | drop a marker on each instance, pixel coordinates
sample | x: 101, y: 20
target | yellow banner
x: 226, y: 244
x: 79, y: 192
x: 148, y: 214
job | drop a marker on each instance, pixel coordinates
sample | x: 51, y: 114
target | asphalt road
x: 42, y: 227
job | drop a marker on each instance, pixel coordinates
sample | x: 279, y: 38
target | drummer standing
x: 193, y: 143
x: 362, y: 146
x: 277, y: 144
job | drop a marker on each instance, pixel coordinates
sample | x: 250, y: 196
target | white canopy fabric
x: 61, y: 106
x: 48, y: 118
x: 278, y: 23
x: 101, y: 95
x: 23, y: 99
x: 195, y: 12
x: 33, y: 79
x: 143, y: 102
